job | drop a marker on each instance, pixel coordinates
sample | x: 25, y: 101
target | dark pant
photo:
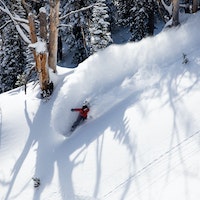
x: 78, y: 121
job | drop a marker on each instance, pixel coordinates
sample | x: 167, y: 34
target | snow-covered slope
x: 141, y: 140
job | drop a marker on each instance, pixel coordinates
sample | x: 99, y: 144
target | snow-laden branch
x: 167, y: 8
x: 65, y: 25
x: 79, y: 10
x: 4, y: 9
x: 2, y: 27
x: 24, y: 23
x: 19, y: 19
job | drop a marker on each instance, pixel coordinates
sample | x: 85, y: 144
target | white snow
x: 167, y: 7
x: 39, y: 46
x: 43, y: 10
x: 141, y: 140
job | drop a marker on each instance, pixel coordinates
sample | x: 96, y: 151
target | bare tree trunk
x: 42, y: 69
x: 84, y: 41
x: 187, y: 8
x: 59, y: 54
x: 32, y: 32
x: 43, y: 24
x: 53, y: 36
x: 194, y: 6
x: 42, y: 56
x: 175, y: 13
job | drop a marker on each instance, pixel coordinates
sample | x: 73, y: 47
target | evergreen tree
x: 13, y: 55
x: 67, y: 23
x: 26, y: 54
x: 112, y: 13
x: 76, y: 29
x: 12, y: 60
x: 151, y: 10
x: 100, y: 27
x: 142, y: 19
x: 138, y: 19
x: 124, y: 9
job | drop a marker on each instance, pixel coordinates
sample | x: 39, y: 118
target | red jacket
x: 82, y: 111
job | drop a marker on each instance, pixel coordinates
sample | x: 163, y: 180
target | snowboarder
x: 83, y: 112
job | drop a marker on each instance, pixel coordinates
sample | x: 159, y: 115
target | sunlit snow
x: 141, y: 139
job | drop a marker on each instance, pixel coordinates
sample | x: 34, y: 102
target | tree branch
x: 167, y: 8
x: 20, y: 31
x: 79, y: 10
x: 65, y: 25
x: 2, y: 27
x: 26, y: 6
x: 18, y: 19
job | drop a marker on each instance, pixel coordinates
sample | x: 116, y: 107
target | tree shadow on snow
x: 88, y: 134
x: 40, y: 140
x: 182, y: 130
x: 51, y: 154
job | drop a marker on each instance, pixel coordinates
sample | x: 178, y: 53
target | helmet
x: 86, y: 103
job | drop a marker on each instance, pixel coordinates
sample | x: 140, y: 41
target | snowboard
x: 72, y: 132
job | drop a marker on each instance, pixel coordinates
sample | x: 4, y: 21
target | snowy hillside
x: 141, y: 140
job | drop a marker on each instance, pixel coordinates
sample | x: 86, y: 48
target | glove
x: 72, y: 109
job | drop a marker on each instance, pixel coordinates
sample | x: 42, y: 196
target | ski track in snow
x: 157, y: 169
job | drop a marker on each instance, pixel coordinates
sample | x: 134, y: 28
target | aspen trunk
x: 42, y: 56
x: 53, y: 36
x: 84, y: 41
x: 42, y: 69
x: 32, y: 32
x: 194, y: 6
x: 43, y: 24
x: 175, y: 13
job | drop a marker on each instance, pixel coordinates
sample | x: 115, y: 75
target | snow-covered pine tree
x: 12, y: 60
x: 151, y: 8
x: 112, y: 13
x: 142, y: 19
x: 100, y: 27
x: 13, y: 57
x: 75, y: 29
x: 124, y: 8
x: 27, y: 74
x: 138, y: 19
x: 67, y: 23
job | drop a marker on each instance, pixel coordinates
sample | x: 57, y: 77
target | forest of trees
x: 85, y: 26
